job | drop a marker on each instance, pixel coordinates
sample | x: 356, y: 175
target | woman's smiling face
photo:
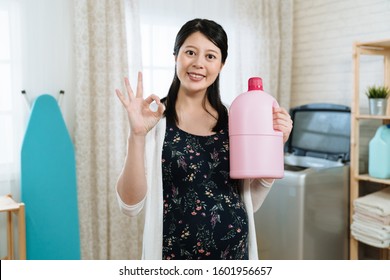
x: 198, y: 63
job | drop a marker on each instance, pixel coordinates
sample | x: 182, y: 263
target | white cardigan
x: 253, y: 192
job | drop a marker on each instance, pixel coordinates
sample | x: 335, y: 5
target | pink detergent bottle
x: 256, y: 149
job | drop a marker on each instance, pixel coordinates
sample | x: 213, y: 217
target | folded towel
x: 384, y: 220
x: 377, y: 202
x: 380, y: 234
x: 370, y: 240
x: 369, y: 223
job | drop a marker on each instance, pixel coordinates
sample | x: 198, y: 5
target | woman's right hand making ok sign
x: 142, y: 119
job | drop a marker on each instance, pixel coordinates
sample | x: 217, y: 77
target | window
x: 11, y: 112
x: 157, y: 57
x: 160, y: 21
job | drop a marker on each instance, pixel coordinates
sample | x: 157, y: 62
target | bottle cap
x: 255, y: 83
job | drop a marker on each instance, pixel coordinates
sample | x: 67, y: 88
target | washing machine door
x: 321, y: 131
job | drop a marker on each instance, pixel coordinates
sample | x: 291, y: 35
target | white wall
x: 47, y: 54
x: 324, y: 33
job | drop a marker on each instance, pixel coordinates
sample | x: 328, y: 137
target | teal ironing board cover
x: 48, y: 185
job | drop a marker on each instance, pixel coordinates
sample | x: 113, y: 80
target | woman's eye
x: 211, y: 56
x: 190, y: 52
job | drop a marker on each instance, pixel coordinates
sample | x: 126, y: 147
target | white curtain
x: 264, y: 45
x: 13, y: 108
x: 101, y: 126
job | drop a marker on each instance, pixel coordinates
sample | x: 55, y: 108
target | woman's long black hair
x: 216, y: 34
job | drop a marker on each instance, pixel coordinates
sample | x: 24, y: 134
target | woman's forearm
x: 131, y: 184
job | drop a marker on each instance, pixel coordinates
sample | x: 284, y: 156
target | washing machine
x: 306, y: 213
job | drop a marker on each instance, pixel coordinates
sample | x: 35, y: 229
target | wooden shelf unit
x: 9, y: 206
x: 381, y: 48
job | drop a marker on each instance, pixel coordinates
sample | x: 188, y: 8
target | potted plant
x: 377, y: 96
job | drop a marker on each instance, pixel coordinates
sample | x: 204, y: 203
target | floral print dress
x: 204, y: 215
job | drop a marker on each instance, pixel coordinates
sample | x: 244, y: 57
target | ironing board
x: 48, y: 185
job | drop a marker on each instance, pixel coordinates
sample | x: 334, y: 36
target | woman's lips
x: 195, y: 76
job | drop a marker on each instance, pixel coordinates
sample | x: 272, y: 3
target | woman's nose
x: 198, y: 62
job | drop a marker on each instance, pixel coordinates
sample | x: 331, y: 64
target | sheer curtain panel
x: 264, y: 44
x: 101, y: 126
